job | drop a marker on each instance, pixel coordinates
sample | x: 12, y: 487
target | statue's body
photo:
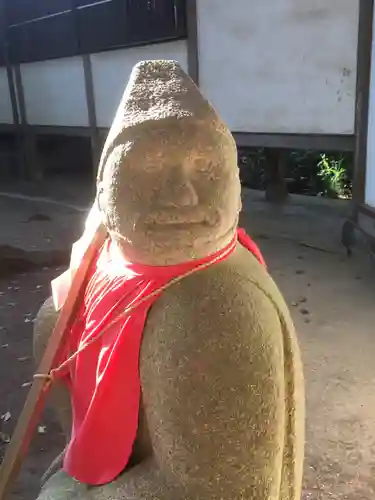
x: 222, y: 404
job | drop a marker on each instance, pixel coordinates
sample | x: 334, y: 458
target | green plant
x: 308, y: 172
x: 333, y: 175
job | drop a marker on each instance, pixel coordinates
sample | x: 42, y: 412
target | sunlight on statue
x: 197, y: 392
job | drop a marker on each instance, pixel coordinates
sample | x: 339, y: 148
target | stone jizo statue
x: 182, y: 378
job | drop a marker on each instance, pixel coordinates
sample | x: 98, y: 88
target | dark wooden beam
x: 15, y: 127
x: 31, y: 166
x: 192, y: 40
x: 91, y: 109
x: 362, y: 101
x: 319, y: 142
x: 276, y: 187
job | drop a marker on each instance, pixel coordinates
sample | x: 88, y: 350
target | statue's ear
x: 101, y: 201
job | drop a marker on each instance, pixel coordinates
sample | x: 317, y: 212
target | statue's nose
x: 178, y: 191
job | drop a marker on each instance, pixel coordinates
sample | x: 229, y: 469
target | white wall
x: 280, y: 66
x: 6, y: 115
x: 111, y: 71
x: 55, y: 92
x: 370, y: 158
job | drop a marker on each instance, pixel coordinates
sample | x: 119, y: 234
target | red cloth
x: 103, y: 379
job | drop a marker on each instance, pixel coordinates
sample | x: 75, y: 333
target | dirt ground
x: 332, y: 301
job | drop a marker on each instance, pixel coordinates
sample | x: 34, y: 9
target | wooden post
x: 192, y: 40
x: 365, y: 36
x: 12, y: 88
x: 276, y: 187
x: 90, y: 97
x: 31, y: 165
x: 90, y: 100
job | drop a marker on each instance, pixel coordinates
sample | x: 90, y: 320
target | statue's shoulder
x: 237, y: 286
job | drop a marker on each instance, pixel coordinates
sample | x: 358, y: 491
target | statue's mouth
x: 177, y: 227
x: 176, y: 221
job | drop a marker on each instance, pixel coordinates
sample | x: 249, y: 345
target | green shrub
x: 307, y: 172
x: 334, y: 176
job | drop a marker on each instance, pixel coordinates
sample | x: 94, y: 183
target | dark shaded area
x: 21, y: 11
x: 15, y: 261
x: 66, y: 156
x: 46, y: 29
x: 301, y: 170
x: 33, y: 41
x: 70, y: 158
x: 10, y: 160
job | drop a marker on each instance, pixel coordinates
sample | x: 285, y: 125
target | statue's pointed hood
x: 158, y: 93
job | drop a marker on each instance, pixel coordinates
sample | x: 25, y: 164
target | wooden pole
x: 35, y: 401
x: 276, y: 187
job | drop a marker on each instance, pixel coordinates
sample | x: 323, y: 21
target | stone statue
x: 216, y: 408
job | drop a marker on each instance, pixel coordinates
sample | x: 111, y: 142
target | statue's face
x: 172, y: 199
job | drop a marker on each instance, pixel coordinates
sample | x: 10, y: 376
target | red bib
x: 103, y: 379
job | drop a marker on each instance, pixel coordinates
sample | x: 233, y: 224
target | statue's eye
x: 206, y: 169
x: 202, y: 165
